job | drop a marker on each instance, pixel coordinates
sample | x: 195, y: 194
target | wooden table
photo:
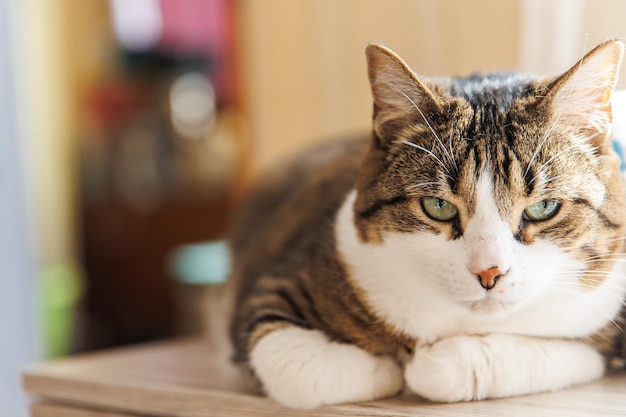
x: 193, y: 378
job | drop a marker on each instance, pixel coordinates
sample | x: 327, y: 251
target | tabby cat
x: 471, y: 248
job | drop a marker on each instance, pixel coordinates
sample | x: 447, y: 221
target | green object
x: 201, y: 263
x: 61, y: 289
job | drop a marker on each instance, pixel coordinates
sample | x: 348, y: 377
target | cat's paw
x: 464, y: 368
x: 303, y: 369
x: 450, y: 370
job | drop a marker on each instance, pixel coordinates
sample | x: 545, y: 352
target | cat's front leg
x: 465, y: 368
x: 302, y: 368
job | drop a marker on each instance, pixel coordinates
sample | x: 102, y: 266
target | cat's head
x: 494, y: 189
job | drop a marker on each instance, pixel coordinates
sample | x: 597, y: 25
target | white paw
x: 465, y: 368
x: 302, y: 369
x: 448, y: 371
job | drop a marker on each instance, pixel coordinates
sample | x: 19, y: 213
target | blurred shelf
x: 130, y: 296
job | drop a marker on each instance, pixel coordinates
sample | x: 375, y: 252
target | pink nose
x: 489, y: 277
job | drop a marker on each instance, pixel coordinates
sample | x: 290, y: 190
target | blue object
x: 201, y: 263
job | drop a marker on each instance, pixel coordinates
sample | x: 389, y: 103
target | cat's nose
x: 488, y: 278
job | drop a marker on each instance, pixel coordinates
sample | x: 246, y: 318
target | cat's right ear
x: 400, y: 97
x: 580, y: 99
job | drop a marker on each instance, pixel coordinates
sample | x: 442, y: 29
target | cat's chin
x: 491, y: 307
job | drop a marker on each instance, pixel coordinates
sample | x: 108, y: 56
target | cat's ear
x: 400, y: 96
x: 581, y: 98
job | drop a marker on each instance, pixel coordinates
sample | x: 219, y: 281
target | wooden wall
x: 64, y: 47
x: 303, y: 69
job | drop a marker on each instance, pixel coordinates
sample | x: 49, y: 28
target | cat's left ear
x: 400, y: 97
x: 581, y: 98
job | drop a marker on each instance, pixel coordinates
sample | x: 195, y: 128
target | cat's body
x: 472, y: 249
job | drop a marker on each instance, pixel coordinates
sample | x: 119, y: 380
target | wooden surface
x: 193, y: 378
x: 51, y: 410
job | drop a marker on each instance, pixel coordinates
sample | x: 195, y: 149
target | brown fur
x: 297, y: 265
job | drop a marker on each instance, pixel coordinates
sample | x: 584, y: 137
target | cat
x: 470, y: 248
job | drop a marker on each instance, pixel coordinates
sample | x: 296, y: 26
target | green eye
x: 439, y: 209
x: 542, y: 210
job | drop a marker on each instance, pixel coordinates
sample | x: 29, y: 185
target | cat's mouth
x: 491, y: 306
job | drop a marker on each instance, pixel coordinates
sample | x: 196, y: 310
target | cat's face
x: 495, y: 191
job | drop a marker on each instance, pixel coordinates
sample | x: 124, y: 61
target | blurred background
x: 130, y: 128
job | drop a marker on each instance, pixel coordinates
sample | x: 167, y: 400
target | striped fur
x: 347, y: 288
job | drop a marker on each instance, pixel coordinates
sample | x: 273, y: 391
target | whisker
x: 549, y: 180
x: 428, y: 152
x: 577, y: 282
x: 603, y: 258
x: 595, y: 279
x: 543, y: 140
x: 429, y: 126
x: 424, y: 184
x: 545, y: 165
x: 567, y: 294
x: 456, y: 168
